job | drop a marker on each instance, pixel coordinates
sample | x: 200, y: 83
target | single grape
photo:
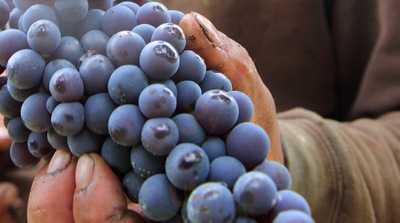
x: 116, y: 156
x: 11, y: 41
x: 157, y: 100
x: 52, y: 67
x: 36, y: 13
x: 68, y: 119
x: 290, y: 200
x: 192, y: 67
x: 126, y: 84
x: 159, y: 136
x: 278, y: 173
x: 125, y: 47
x: 66, y: 85
x: 190, y: 130
x: 293, y: 216
x: 125, y: 125
x: 15, y: 15
x: 17, y: 130
x: 131, y: 5
x: 255, y: 193
x: 44, y: 37
x: 172, y: 34
x: 187, y: 166
x: 158, y: 199
x: 145, y: 31
x: 20, y: 155
x: 84, y: 142
x: 217, y: 112
x: 153, y: 13
x: 25, y: 69
x: 176, y: 16
x: 100, y: 4
x: 214, y: 80
x: 69, y: 29
x: 95, y: 72
x: 211, y: 202
x: 245, y: 220
x: 226, y: 170
x: 38, y: 145
x: 98, y: 109
x: 132, y: 184
x: 51, y: 104
x: 159, y: 60
x: 71, y: 10
x: 188, y: 94
x: 25, y: 4
x: 34, y: 113
x: 69, y: 49
x: 8, y: 106
x: 146, y: 164
x: 91, y: 22
x: 248, y: 143
x: 18, y: 94
x: 56, y: 141
x: 246, y: 106
x: 214, y: 148
x: 95, y: 42
x: 118, y: 18
x: 4, y: 13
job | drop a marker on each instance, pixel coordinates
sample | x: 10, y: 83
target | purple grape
x: 278, y: 173
x: 100, y: 4
x: 246, y: 106
x: 159, y: 60
x: 214, y: 80
x: 172, y: 34
x: 226, y: 170
x: 71, y: 10
x: 25, y: 69
x: 116, y: 156
x: 34, y: 113
x: 118, y: 18
x: 176, y: 16
x: 146, y: 164
x: 69, y: 49
x: 248, y: 143
x: 38, y: 145
x: 56, y: 141
x: 84, y: 142
x: 159, y: 136
x: 125, y: 125
x: 66, y: 85
x: 68, y: 119
x: 170, y: 85
x: 11, y: 41
x: 4, y: 13
x: 217, y: 112
x: 17, y: 130
x: 145, y: 31
x: 255, y: 193
x: 95, y: 42
x: 44, y: 37
x: 92, y: 21
x: 52, y: 67
x: 126, y: 84
x: 188, y: 93
x: 25, y: 4
x: 158, y: 199
x: 132, y: 184
x: 214, y: 148
x: 95, y: 72
x: 211, y: 202
x: 18, y: 94
x: 293, y: 216
x: 20, y: 155
x: 36, y: 13
x: 245, y: 220
x: 8, y: 106
x: 153, y: 13
x: 157, y: 100
x: 290, y: 200
x: 190, y: 130
x: 51, y: 104
x: 15, y: 15
x: 192, y: 67
x: 98, y: 109
x: 125, y: 47
x: 131, y: 5
x: 187, y: 166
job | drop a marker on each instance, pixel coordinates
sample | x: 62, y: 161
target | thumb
x: 229, y: 57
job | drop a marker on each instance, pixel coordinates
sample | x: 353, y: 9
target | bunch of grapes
x: 90, y: 76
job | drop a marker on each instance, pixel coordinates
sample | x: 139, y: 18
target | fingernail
x: 60, y: 161
x: 84, y: 171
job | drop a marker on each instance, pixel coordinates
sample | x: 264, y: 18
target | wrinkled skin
x: 68, y: 190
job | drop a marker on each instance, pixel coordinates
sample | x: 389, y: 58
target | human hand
x: 86, y: 190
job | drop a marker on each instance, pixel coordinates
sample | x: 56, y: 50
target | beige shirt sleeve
x: 349, y: 172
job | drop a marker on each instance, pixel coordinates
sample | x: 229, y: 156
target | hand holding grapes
x: 86, y: 190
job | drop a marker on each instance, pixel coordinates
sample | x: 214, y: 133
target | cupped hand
x: 68, y: 190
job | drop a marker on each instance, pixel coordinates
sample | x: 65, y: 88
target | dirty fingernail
x: 84, y: 171
x: 60, y: 161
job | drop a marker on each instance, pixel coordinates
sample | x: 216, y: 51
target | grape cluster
x: 90, y: 76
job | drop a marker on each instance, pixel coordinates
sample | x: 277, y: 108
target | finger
x: 227, y: 56
x: 52, y: 191
x: 98, y: 194
x: 5, y: 140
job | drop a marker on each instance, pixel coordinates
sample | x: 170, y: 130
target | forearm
x: 349, y: 172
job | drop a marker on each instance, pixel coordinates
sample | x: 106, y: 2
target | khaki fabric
x: 349, y: 172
